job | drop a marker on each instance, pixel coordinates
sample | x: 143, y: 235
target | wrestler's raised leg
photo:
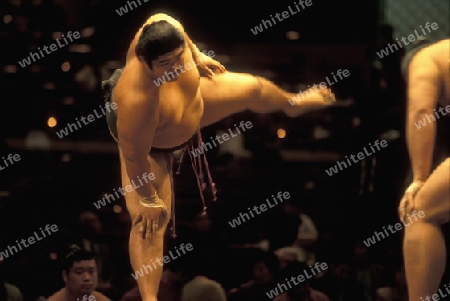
x: 229, y: 93
x: 145, y: 252
x: 424, y: 245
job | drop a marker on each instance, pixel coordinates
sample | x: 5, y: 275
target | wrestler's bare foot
x: 310, y: 100
x: 318, y: 96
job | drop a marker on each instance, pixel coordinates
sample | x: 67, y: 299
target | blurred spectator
x: 8, y: 291
x: 400, y: 287
x: 265, y: 272
x: 173, y: 279
x: 92, y: 238
x: 307, y: 231
x: 339, y: 282
x: 200, y: 286
x: 301, y: 292
x: 201, y: 233
x: 371, y: 276
x: 288, y: 255
x: 231, y: 151
x: 257, y: 240
x: 306, y: 237
x: 284, y: 232
x: 80, y: 277
x: 296, y: 232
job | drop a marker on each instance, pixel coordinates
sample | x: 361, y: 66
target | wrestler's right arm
x: 136, y: 124
x: 423, y: 84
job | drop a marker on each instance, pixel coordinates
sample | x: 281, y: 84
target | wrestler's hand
x: 152, y: 213
x: 207, y: 66
x: 407, y: 203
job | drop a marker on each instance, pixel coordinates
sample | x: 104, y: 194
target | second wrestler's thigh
x: 434, y: 197
x: 161, y: 182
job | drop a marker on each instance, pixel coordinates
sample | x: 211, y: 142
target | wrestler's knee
x: 434, y: 197
x: 256, y: 85
x: 431, y: 210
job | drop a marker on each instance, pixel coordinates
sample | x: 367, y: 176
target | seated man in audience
x: 301, y: 292
x: 8, y: 291
x: 80, y: 277
x: 339, y: 282
x: 265, y: 269
x: 200, y: 286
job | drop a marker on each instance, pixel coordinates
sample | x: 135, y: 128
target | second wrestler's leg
x: 230, y: 92
x: 424, y: 245
x: 146, y: 254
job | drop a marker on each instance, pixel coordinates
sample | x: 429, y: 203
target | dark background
x: 56, y: 179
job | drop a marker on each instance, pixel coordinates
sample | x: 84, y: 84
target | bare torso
x: 61, y: 296
x: 180, y: 105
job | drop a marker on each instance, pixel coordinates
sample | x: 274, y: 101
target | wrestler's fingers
x: 219, y: 67
x: 154, y: 228
x: 144, y: 229
x: 402, y: 208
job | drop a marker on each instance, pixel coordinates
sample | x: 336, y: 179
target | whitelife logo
x: 391, y: 48
x: 10, y: 160
x: 436, y: 297
x: 111, y: 198
x: 280, y: 17
x: 243, y: 217
x: 397, y: 227
x: 11, y: 250
x: 422, y: 122
x: 131, y: 4
x: 53, y: 47
x: 162, y: 261
x: 301, y: 96
x: 335, y: 169
x: 71, y: 127
x: 204, y: 147
x: 282, y: 287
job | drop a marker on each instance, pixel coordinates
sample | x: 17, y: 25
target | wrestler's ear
x: 142, y: 60
x: 64, y: 276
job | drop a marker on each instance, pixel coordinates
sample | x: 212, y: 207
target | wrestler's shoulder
x: 132, y: 85
x: 436, y: 49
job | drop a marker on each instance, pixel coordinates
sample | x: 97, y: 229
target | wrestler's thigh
x: 434, y: 197
x: 161, y: 183
x: 226, y: 94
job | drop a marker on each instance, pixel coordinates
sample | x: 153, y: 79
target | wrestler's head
x: 160, y: 47
x: 80, y: 272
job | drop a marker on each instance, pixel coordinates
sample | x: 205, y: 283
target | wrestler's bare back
x: 178, y: 103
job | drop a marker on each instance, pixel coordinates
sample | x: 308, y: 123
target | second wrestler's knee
x: 430, y: 210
